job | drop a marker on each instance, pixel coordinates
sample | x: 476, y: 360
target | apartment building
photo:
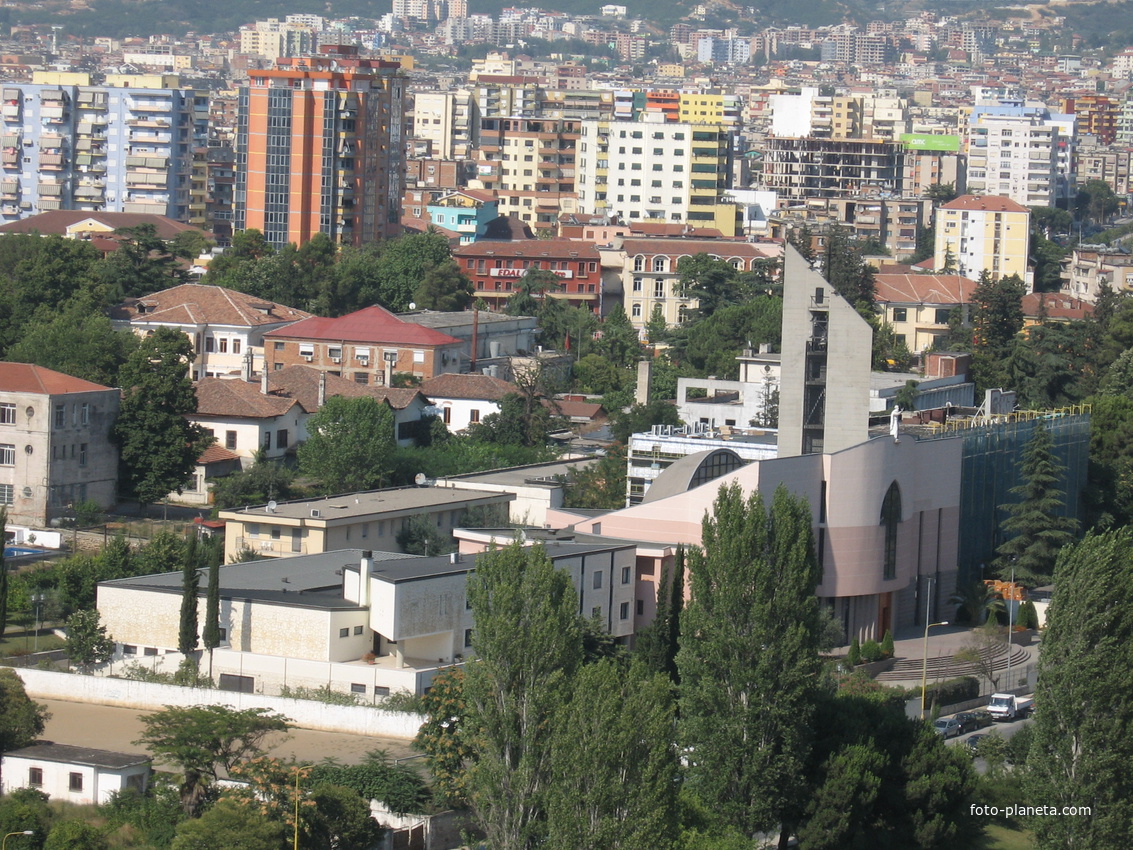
x: 56, y: 448
x: 1090, y: 267
x: 1022, y: 153
x: 122, y: 147
x: 918, y: 306
x: 802, y: 167
x: 296, y: 35
x: 657, y: 171
x: 983, y: 232
x: 320, y: 149
x: 530, y: 164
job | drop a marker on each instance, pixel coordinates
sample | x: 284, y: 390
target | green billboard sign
x: 930, y: 142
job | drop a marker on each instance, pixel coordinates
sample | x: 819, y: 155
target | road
x: 111, y: 728
x: 1005, y: 729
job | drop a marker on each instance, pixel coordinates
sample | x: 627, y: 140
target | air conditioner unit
x: 336, y: 359
x: 316, y: 513
x: 308, y: 357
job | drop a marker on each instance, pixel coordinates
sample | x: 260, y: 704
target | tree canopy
x: 351, y: 444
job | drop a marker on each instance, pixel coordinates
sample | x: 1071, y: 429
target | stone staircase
x: 947, y: 667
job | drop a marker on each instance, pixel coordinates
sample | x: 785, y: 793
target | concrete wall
x: 362, y: 720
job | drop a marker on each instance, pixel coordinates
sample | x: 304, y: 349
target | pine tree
x: 657, y: 643
x: 1036, y: 528
x: 748, y: 659
x: 656, y: 328
x: 528, y: 645
x: 187, y: 638
x: 1082, y: 747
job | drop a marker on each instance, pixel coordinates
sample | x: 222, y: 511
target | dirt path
x: 112, y: 728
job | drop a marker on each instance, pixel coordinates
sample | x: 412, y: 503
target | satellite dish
x: 412, y: 305
x: 272, y: 506
x: 419, y: 479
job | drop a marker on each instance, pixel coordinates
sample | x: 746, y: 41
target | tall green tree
x: 614, y: 767
x: 211, y: 633
x: 444, y: 287
x: 845, y: 268
x: 158, y: 448
x: 748, y: 659
x: 188, y: 638
x: 206, y: 740
x: 444, y: 737
x: 658, y: 643
x: 76, y: 342
x: 1082, y: 746
x: 141, y: 264
x: 656, y: 328
x: 403, y: 264
x: 21, y: 718
x: 619, y: 342
x: 4, y: 584
x: 1036, y: 528
x: 531, y: 292
x: 528, y: 645
x: 351, y: 444
x: 88, y: 644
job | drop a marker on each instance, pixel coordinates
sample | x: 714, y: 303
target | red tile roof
x: 26, y: 378
x: 302, y: 384
x: 472, y: 385
x: 986, y: 203
x: 197, y: 303
x: 375, y: 325
x: 1058, y: 306
x: 234, y: 398
x: 57, y: 222
x: 923, y: 289
x: 216, y: 454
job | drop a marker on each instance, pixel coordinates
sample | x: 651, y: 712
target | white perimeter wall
x: 357, y: 719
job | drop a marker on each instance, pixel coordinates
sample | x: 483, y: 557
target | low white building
x: 463, y: 400
x: 78, y: 775
x: 364, y: 622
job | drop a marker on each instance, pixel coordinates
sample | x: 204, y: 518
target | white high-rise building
x: 1021, y: 152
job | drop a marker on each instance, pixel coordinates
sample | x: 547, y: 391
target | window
x: 358, y: 630
x: 223, y: 343
x: 235, y: 346
x: 891, y: 519
x: 84, y: 414
x: 129, y: 649
x: 900, y: 314
x: 82, y: 454
x: 230, y: 440
x: 468, y: 637
x: 278, y: 346
x: 60, y: 415
x: 335, y: 352
x: 7, y: 455
x: 355, y: 688
x: 267, y: 440
x: 640, y: 607
x: 361, y: 377
x: 344, y: 632
x: 75, y: 782
x: 210, y: 344
x: 7, y: 494
x: 596, y: 611
x: 7, y: 414
x: 623, y: 611
x: 35, y: 776
x: 659, y: 288
x: 281, y: 438
x: 381, y: 691
x: 597, y: 581
x: 625, y: 575
x: 942, y: 314
x: 474, y: 416
x: 636, y: 311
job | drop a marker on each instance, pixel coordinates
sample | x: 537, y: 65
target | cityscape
x: 451, y: 426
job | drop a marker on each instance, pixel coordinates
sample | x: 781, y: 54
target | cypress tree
x: 658, y: 642
x: 187, y: 638
x: 3, y: 577
x: 211, y: 634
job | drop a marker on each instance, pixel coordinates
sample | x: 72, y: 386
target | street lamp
x: 924, y: 669
x: 4, y: 844
x: 37, y: 598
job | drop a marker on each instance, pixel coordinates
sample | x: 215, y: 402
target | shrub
x: 854, y: 656
x: 321, y: 694
x: 887, y: 644
x: 1028, y: 615
x: 951, y: 691
x: 871, y: 651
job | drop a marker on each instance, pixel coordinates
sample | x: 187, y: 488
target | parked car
x: 948, y: 727
x: 970, y: 721
x: 974, y: 744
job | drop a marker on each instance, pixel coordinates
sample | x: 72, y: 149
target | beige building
x: 918, y: 305
x: 984, y: 232
x: 224, y: 325
x: 372, y: 519
x: 55, y: 445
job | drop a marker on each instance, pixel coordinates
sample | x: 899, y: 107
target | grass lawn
x: 17, y: 643
x: 999, y: 837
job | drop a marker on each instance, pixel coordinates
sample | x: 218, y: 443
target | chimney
x: 264, y: 379
x: 644, y: 379
x: 365, y: 567
x: 246, y: 366
x: 322, y: 390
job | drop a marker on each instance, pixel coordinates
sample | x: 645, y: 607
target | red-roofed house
x: 225, y: 325
x: 55, y: 446
x: 366, y: 346
x: 464, y: 400
x: 918, y: 305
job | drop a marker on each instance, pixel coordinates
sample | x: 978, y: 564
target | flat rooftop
x: 439, y: 321
x: 521, y: 475
x: 397, y: 500
x: 68, y: 754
